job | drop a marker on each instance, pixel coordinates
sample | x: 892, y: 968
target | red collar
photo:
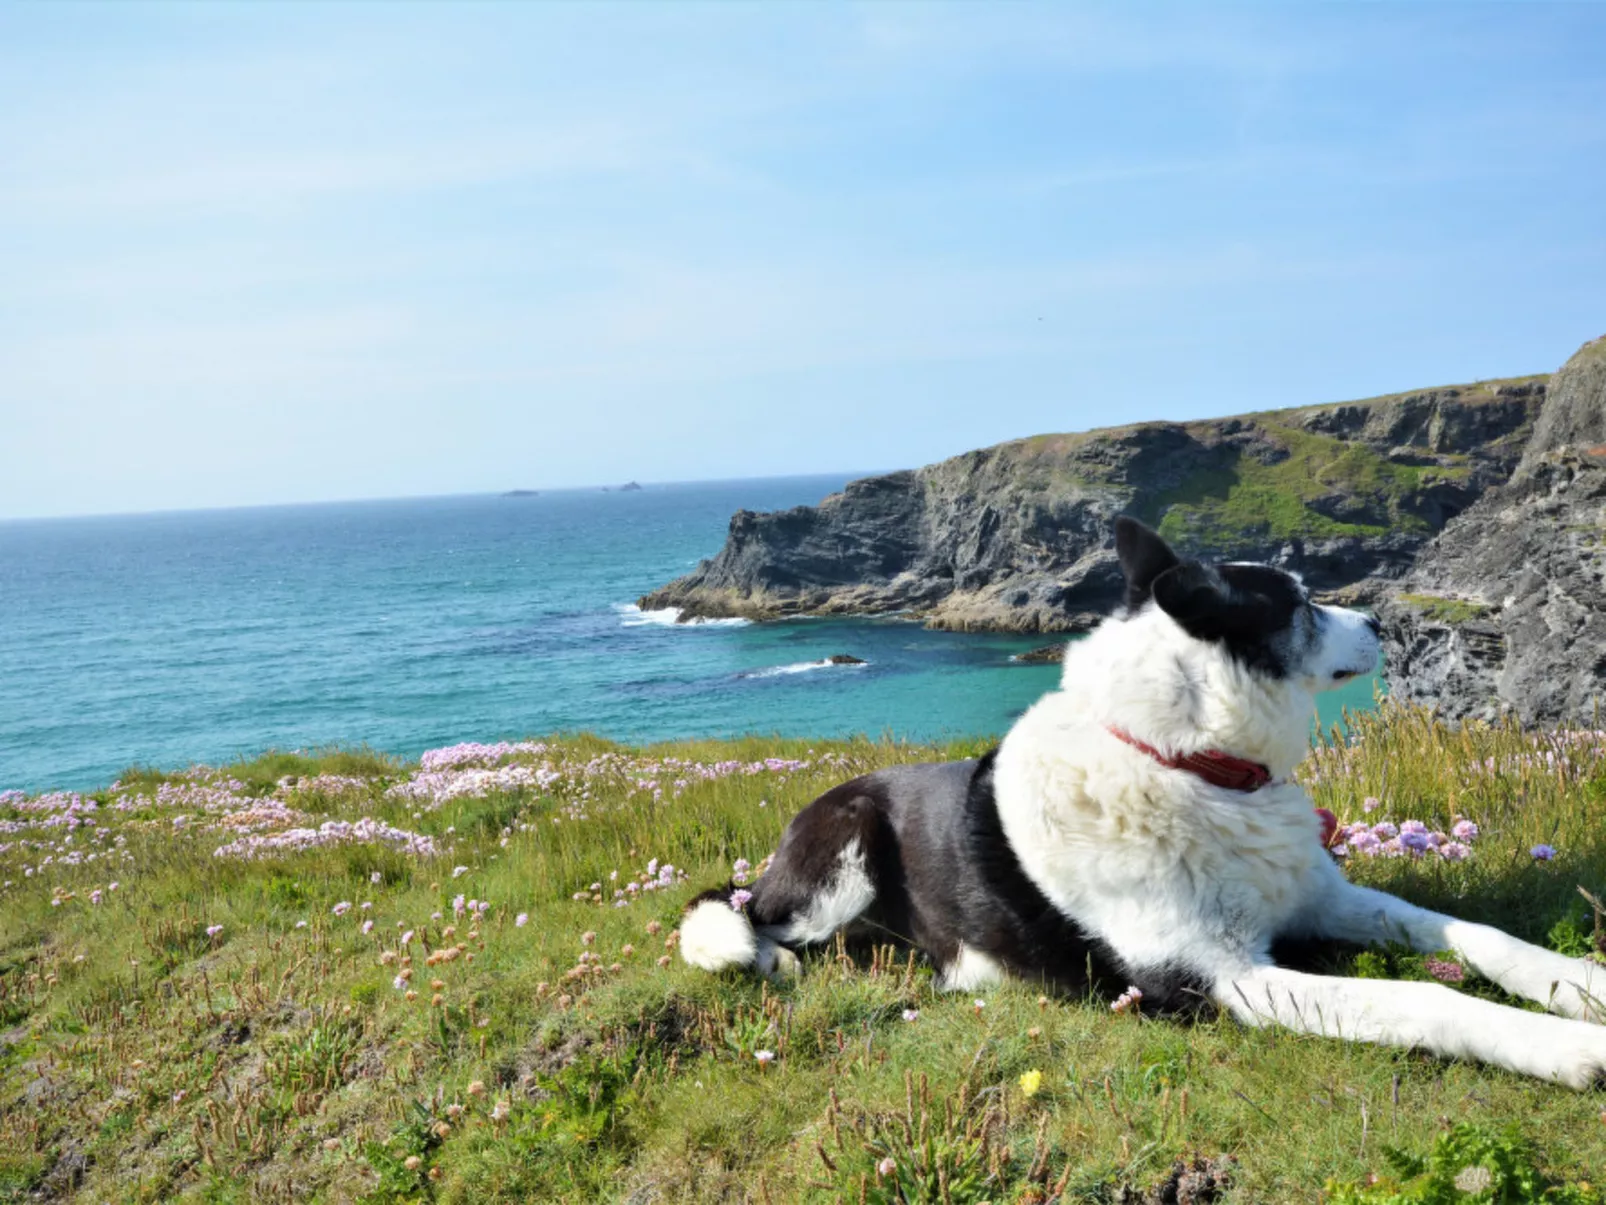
x: 1215, y: 767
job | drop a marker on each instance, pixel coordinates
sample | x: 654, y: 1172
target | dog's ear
x: 1144, y: 557
x: 1202, y: 602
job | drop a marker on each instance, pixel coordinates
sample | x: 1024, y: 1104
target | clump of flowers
x: 329, y: 834
x: 1408, y: 838
x: 1445, y: 970
x: 1128, y: 1001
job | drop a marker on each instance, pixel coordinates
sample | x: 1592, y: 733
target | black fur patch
x: 1248, y: 609
x: 1022, y: 928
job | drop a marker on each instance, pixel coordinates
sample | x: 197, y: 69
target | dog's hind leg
x: 822, y: 880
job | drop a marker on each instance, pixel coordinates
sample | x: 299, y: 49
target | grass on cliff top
x: 1214, y: 507
x: 542, y: 1049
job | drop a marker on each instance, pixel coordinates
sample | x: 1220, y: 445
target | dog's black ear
x: 1144, y: 557
x: 1196, y: 597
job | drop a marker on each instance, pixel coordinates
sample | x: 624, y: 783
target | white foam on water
x: 633, y: 616
x: 800, y: 667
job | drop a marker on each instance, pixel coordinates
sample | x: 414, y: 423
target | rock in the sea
x: 846, y: 659
x: 1017, y: 537
x: 1506, y: 609
x: 1048, y: 654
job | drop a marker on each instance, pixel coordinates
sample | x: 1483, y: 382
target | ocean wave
x: 633, y: 616
x: 800, y: 667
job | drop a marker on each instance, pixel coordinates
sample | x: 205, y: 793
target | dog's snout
x: 1372, y: 622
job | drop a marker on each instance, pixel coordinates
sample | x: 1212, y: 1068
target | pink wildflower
x: 1128, y: 1000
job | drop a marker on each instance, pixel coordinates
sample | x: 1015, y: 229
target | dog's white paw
x: 776, y: 961
x: 1565, y: 1052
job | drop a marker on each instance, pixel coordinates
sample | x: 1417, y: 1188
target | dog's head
x: 1259, y: 616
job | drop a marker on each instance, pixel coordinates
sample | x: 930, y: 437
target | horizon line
x: 851, y: 474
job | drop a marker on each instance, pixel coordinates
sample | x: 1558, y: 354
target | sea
x: 202, y: 636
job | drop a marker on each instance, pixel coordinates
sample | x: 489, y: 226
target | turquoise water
x: 200, y: 636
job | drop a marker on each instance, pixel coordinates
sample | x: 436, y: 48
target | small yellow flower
x: 1030, y: 1083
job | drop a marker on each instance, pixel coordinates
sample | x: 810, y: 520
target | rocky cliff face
x: 1506, y: 609
x: 1017, y: 537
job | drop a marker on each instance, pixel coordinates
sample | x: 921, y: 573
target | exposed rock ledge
x: 1506, y: 610
x: 1017, y: 537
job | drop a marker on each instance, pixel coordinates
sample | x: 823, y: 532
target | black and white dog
x: 1140, y: 824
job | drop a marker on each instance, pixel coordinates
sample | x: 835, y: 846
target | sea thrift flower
x: 980, y: 1004
x: 911, y: 1014
x: 94, y: 896
x: 1464, y: 830
x: 376, y: 877
x: 1543, y: 853
x: 764, y: 1057
x: 213, y: 930
x: 477, y: 1088
x: 740, y: 870
x: 459, y: 871
x: 1128, y: 1000
x: 739, y: 899
x: 887, y: 1166
x: 343, y: 907
x: 1030, y: 1082
x: 1370, y: 804
x: 588, y: 938
x: 407, y: 937
x: 521, y: 920
x: 367, y: 927
x: 1445, y: 970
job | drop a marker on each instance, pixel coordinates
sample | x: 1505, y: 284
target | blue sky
x: 292, y: 252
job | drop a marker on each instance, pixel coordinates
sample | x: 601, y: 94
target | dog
x: 1140, y: 826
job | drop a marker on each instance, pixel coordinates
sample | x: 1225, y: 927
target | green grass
x: 143, y: 1060
x: 1275, y: 500
x: 1445, y: 610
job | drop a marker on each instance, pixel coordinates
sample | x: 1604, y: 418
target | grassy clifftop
x: 1017, y: 536
x: 456, y: 982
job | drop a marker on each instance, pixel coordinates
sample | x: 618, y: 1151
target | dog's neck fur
x: 1184, y: 695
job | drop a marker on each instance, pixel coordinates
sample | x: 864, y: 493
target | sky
x: 265, y: 253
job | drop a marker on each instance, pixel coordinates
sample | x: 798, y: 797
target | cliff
x: 1017, y: 537
x: 1506, y: 610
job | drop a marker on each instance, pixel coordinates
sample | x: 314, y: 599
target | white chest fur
x: 1152, y: 860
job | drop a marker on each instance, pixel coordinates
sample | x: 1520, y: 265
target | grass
x: 1445, y: 610
x: 1276, y: 499
x: 281, y: 1057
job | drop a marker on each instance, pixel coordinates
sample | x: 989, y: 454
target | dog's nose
x: 1377, y: 628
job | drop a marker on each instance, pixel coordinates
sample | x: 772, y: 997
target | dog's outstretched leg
x: 1425, y: 1015
x: 1572, y: 987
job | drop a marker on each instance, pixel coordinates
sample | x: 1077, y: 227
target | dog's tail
x: 716, y: 931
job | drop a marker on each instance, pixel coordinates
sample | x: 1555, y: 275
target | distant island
x: 626, y: 488
x: 521, y: 493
